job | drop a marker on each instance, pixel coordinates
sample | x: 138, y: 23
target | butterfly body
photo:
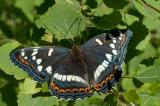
x: 77, y: 72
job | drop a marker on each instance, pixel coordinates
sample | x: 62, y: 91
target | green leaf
x: 134, y: 64
x: 132, y: 96
x: 81, y: 103
x: 3, y: 82
x: 63, y: 21
x: 28, y: 100
x: 151, y: 22
x: 127, y: 83
x: 152, y: 52
x: 2, y: 103
x: 38, y: 2
x: 116, y: 4
x: 45, y: 87
x: 150, y: 94
x: 108, y: 21
x: 142, y: 45
x: 149, y: 100
x: 96, y: 100
x: 129, y: 19
x: 27, y: 6
x: 150, y: 88
x: 111, y: 100
x: 29, y: 87
x: 151, y: 74
x: 102, y: 9
x: 91, y: 4
x: 147, y: 10
x: 6, y: 65
x: 141, y: 8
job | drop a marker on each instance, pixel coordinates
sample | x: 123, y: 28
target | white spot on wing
x: 59, y: 77
x: 78, y: 79
x: 50, y: 52
x: 99, y: 41
x: 69, y: 77
x: 121, y: 34
x: 114, y: 52
x: 109, y: 57
x: 64, y: 78
x: 101, y: 67
x: 73, y: 78
x: 55, y: 75
x: 112, y: 45
x: 22, y: 53
x: 39, y: 68
x: 26, y: 57
x: 114, y: 41
x: 38, y: 61
x: 49, y: 69
x: 98, y: 73
x: 105, y: 63
x: 120, y: 38
x: 34, y: 53
x: 35, y: 49
x: 34, y: 58
x: 95, y: 75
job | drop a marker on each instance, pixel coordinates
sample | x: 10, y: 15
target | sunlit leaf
x: 151, y: 74
x: 150, y: 94
x: 132, y: 96
x: 29, y: 87
x: 63, y: 21
x: 28, y: 100
x: 6, y: 65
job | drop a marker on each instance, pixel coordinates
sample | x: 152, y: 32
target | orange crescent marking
x: 68, y: 91
x: 87, y: 89
x: 111, y: 76
x: 75, y: 90
x: 56, y: 89
x: 103, y: 82
x: 98, y: 86
x: 82, y: 90
x: 53, y: 85
x: 62, y: 91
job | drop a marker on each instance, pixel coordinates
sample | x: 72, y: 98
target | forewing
x: 39, y: 62
x: 69, y: 81
x: 104, y: 55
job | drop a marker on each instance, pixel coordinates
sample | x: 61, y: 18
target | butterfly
x: 80, y: 71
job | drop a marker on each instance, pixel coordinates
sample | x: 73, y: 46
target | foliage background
x: 49, y: 22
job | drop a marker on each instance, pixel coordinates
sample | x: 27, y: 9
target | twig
x: 127, y: 77
x: 150, y: 6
